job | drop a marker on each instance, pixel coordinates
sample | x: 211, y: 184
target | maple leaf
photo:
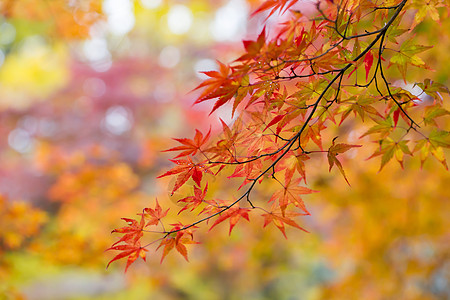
x: 274, y: 5
x: 333, y: 151
x: 425, y: 147
x: 279, y: 219
x: 395, y: 116
x: 133, y: 232
x: 248, y: 170
x: 384, y: 127
x: 425, y: 8
x: 407, y: 55
x: 328, y: 61
x: 223, y: 148
x: 432, y: 112
x: 438, y: 153
x: 186, y: 169
x: 293, y: 163
x: 439, y: 138
x: 154, y: 215
x: 368, y: 61
x: 194, y: 201
x: 234, y: 214
x: 433, y: 89
x: 290, y: 194
x: 312, y: 132
x: 133, y: 252
x: 389, y: 148
x: 287, y: 117
x: 362, y: 106
x: 434, y: 144
x: 177, y: 238
x: 274, y: 121
x: 217, y: 79
x: 223, y: 84
x: 190, y: 147
x: 393, y: 33
x: 260, y: 143
x: 253, y: 47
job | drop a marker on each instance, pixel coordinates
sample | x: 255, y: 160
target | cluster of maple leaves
x: 287, y: 91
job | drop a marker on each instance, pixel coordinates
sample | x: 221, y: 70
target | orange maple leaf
x: 293, y: 164
x: 279, y: 219
x: 234, y: 214
x: 177, y: 239
x: 290, y: 194
x: 333, y: 151
x: 154, y: 215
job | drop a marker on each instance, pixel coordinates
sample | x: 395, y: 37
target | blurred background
x: 92, y: 91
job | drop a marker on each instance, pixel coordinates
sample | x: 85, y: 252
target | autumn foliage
x: 294, y: 93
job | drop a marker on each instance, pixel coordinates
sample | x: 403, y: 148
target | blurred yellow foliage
x: 108, y: 182
x: 32, y: 73
x: 18, y: 221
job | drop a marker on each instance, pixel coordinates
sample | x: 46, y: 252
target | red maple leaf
x: 222, y: 84
x: 290, y: 194
x: 293, y: 164
x: 133, y: 232
x: 132, y: 251
x: 194, y: 201
x: 253, y: 47
x: 217, y: 79
x: 185, y: 170
x: 190, y: 147
x: 368, y: 61
x: 274, y: 5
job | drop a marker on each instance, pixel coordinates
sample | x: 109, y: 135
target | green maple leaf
x: 407, y: 55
